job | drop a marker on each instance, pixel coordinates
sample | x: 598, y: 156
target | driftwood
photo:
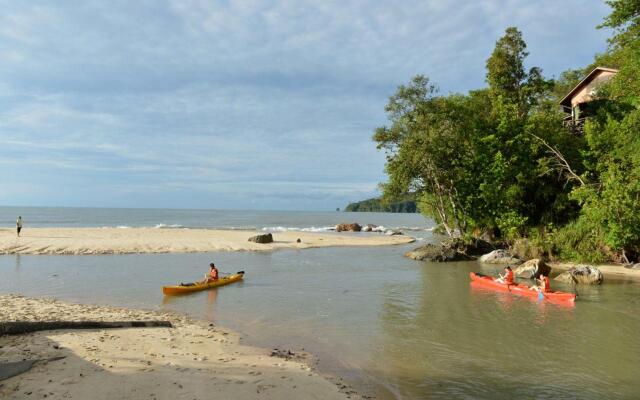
x: 16, y: 328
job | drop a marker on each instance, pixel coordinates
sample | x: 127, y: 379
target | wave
x: 414, y: 228
x: 165, y: 226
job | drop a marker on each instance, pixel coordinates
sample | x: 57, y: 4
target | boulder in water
x: 345, y: 227
x: 532, y: 269
x: 499, y: 256
x: 583, y: 274
x: 265, y: 238
x: 393, y: 232
x: 369, y: 228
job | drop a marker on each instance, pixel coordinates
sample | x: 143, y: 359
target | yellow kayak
x: 195, y: 287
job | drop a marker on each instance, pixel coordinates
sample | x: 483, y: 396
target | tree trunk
x: 16, y: 328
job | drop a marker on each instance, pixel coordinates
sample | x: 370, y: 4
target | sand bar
x: 151, y: 240
x: 192, y: 360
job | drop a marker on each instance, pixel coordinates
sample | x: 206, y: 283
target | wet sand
x: 192, y: 360
x: 150, y: 240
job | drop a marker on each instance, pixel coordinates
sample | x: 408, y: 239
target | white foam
x: 162, y: 226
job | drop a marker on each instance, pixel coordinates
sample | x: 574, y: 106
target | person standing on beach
x: 19, y: 225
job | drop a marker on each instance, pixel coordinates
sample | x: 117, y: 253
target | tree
x: 426, y: 147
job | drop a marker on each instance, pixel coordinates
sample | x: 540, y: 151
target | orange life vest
x: 547, y: 284
x: 213, y: 274
x: 509, y: 278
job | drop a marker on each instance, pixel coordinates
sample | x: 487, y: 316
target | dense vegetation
x: 498, y: 160
x: 378, y: 205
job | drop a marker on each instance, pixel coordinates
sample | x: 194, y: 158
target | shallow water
x: 418, y: 329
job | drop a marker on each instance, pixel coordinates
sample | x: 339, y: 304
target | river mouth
x: 394, y: 326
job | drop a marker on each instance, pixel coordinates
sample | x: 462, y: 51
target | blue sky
x: 238, y: 104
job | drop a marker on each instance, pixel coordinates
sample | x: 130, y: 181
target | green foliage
x: 379, y: 205
x: 499, y: 159
x: 580, y: 242
x: 471, y: 159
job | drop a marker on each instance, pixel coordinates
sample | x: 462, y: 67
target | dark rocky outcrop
x: 266, y: 238
x: 393, y: 232
x: 454, y: 250
x: 499, y: 256
x: 369, y: 228
x: 345, y: 227
x: 583, y: 274
x: 532, y: 269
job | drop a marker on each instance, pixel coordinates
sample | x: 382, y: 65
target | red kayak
x: 522, y: 290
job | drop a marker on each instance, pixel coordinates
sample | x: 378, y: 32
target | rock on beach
x: 532, y: 269
x: 499, y: 256
x: 348, y: 227
x: 583, y: 274
x: 266, y: 238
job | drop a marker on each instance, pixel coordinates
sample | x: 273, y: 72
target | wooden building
x: 575, y: 103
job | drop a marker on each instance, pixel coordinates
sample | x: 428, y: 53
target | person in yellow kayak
x: 212, y: 275
x: 544, y: 285
x: 507, y: 278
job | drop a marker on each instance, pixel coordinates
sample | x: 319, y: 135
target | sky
x: 239, y: 104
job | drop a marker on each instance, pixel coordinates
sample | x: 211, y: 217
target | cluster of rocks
x: 457, y: 250
x: 355, y: 227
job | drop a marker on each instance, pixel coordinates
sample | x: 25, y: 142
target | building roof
x: 566, y: 100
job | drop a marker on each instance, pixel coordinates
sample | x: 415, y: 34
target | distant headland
x: 377, y: 205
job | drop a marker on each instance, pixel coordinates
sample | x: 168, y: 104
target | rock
x: 633, y: 266
x: 583, y: 274
x: 565, y: 277
x: 369, y: 228
x: 452, y: 250
x: 432, y: 252
x: 532, y: 269
x: 499, y: 256
x: 344, y: 227
x: 266, y: 238
x: 392, y: 232
x: 298, y: 241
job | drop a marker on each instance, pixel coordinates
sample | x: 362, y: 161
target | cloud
x: 239, y: 100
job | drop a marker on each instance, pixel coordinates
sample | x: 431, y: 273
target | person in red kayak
x: 544, y: 285
x: 212, y: 275
x: 507, y: 278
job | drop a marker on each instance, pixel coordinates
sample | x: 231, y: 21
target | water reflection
x: 212, y: 297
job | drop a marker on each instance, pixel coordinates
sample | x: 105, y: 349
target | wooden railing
x: 576, y: 126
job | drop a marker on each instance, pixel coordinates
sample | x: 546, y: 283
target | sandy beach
x: 151, y: 240
x: 192, y: 360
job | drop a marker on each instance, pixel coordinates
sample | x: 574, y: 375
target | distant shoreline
x: 95, y: 241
